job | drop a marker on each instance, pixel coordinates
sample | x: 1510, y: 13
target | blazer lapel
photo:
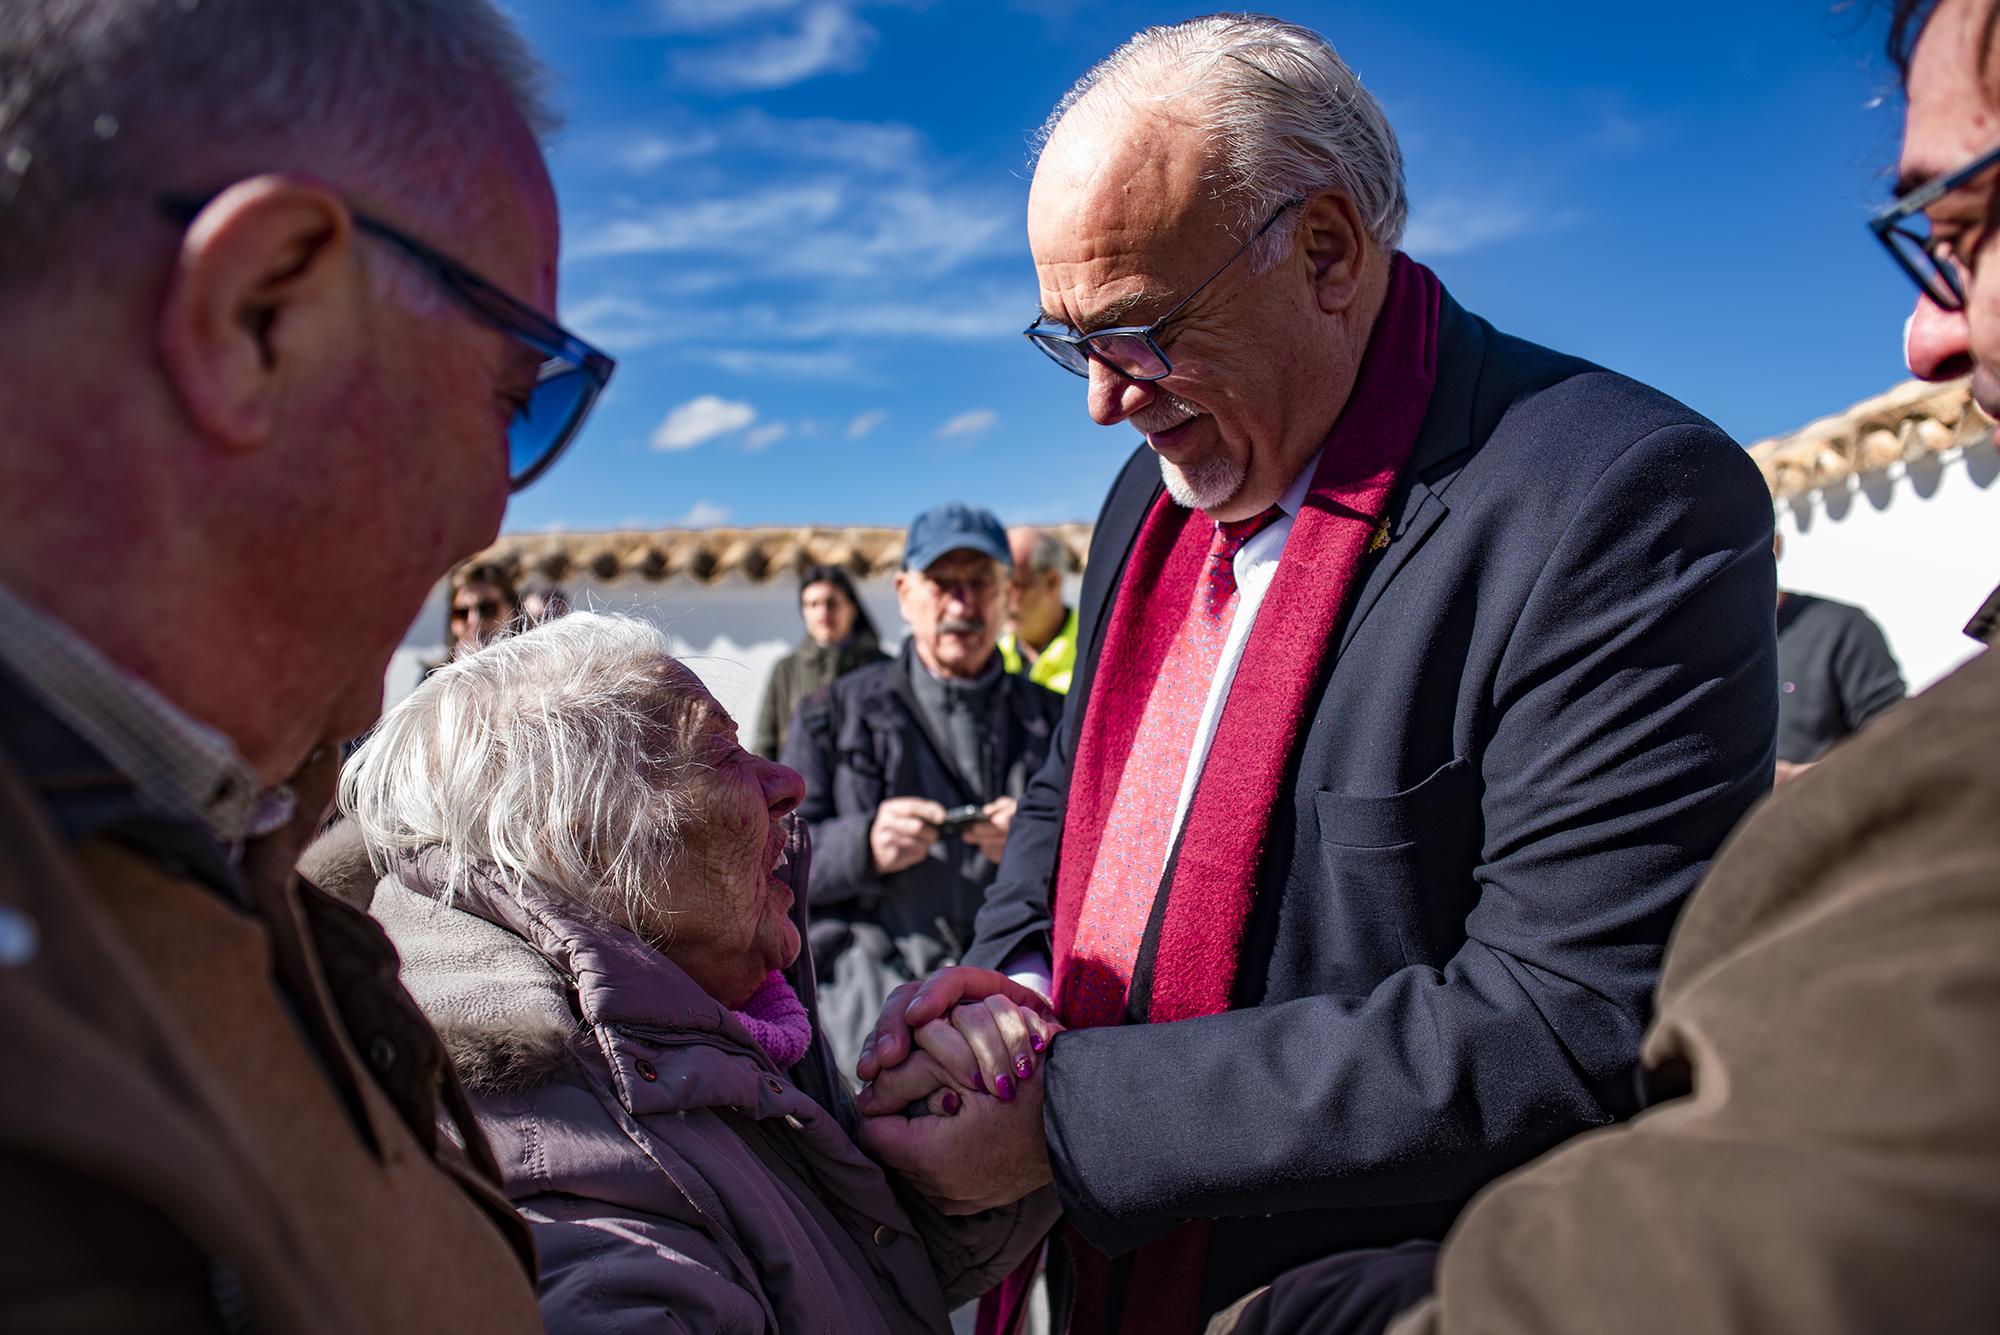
x: 1442, y: 446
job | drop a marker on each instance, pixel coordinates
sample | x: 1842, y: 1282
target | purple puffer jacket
x: 674, y: 1178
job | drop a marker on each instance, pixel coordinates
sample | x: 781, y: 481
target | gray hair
x: 107, y: 104
x: 1283, y: 114
x: 1047, y: 553
x: 567, y: 753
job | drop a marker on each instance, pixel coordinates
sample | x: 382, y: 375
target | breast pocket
x: 1397, y: 866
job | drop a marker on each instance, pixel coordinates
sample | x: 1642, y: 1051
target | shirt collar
x: 177, y: 766
x: 1295, y: 495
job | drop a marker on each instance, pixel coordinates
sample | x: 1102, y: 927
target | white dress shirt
x: 1256, y: 566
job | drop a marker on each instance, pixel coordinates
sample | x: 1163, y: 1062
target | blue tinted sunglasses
x: 572, y: 375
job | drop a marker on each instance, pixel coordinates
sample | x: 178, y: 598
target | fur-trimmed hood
x: 520, y: 980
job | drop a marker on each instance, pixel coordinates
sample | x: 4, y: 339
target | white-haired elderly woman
x: 592, y: 886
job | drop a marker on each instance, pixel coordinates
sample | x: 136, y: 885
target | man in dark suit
x: 1821, y: 1154
x: 1462, y: 655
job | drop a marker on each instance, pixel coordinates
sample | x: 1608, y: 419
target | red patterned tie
x: 1133, y: 852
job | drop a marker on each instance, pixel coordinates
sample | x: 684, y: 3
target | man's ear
x: 1336, y: 244
x: 261, y: 272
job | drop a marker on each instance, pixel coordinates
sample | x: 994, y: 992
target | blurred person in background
x: 544, y: 602
x: 1835, y: 674
x: 912, y: 769
x: 1042, y: 640
x: 1818, y: 1152
x: 840, y: 637
x: 594, y: 891
x: 484, y: 604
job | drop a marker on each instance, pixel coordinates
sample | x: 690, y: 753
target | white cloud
x: 1455, y: 225
x: 620, y: 323
x: 828, y: 227
x: 734, y: 225
x: 864, y: 423
x: 704, y: 514
x: 969, y: 423
x: 700, y: 419
x: 763, y: 437
x: 827, y: 38
x: 647, y: 151
x: 694, y: 15
x: 764, y: 362
x: 884, y: 147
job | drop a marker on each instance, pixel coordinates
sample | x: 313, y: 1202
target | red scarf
x: 1288, y: 655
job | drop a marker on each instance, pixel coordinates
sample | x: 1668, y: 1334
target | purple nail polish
x: 1037, y: 1042
x: 950, y: 1102
x: 978, y: 1083
x: 1004, y: 1087
x: 1024, y: 1067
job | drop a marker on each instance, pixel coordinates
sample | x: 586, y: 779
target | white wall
x: 730, y: 632
x: 1917, y: 546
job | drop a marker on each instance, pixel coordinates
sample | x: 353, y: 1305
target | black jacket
x: 1555, y: 695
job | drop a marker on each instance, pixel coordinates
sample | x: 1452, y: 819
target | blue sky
x: 798, y: 225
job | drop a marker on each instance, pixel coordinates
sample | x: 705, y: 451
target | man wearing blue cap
x: 912, y: 768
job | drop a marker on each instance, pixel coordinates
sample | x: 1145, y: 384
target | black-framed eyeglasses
x: 1903, y: 228
x: 572, y: 374
x: 1133, y: 351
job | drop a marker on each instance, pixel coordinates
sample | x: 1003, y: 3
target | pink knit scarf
x: 777, y: 1020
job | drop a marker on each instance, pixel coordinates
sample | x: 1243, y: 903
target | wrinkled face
x: 479, y: 612
x: 1953, y: 119
x: 955, y: 607
x: 729, y: 921
x: 1123, y: 225
x: 828, y: 615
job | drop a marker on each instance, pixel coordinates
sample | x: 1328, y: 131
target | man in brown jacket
x: 239, y: 390
x: 1821, y: 1154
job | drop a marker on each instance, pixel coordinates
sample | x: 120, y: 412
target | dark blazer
x: 1553, y: 698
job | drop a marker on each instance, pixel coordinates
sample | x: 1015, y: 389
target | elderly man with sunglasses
x: 237, y: 368
x: 1423, y: 671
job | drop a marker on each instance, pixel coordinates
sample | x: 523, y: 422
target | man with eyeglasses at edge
x: 1819, y: 1154
x: 236, y: 369
x: 1423, y: 672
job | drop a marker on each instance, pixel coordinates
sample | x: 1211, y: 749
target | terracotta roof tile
x: 759, y: 555
x: 1907, y: 422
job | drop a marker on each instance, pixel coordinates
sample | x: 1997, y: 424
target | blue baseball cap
x: 951, y: 527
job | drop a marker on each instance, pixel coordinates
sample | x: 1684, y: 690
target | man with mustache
x: 1423, y: 671
x: 890, y: 751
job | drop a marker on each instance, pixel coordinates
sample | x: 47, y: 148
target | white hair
x: 567, y: 753
x: 105, y: 105
x: 1283, y: 114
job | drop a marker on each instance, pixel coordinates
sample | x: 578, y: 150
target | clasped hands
x: 969, y: 1045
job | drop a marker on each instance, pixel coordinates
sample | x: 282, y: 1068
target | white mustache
x: 960, y: 626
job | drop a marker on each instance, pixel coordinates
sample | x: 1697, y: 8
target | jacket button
x: 884, y: 1235
x: 381, y: 1054
x: 645, y: 1070
x: 794, y: 1123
